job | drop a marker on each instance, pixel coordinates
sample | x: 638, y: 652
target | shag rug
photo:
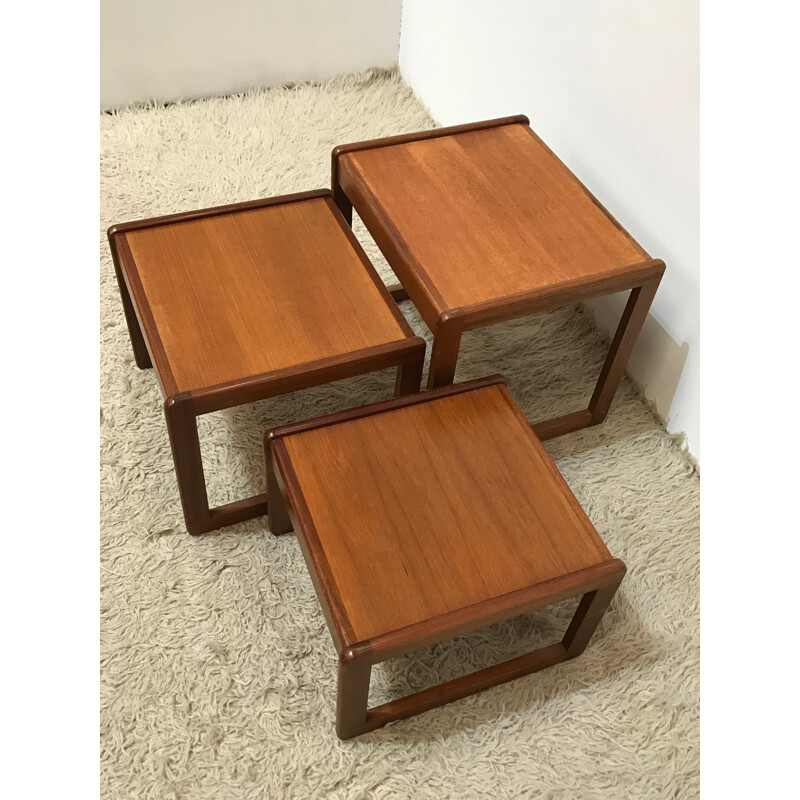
x: 218, y: 672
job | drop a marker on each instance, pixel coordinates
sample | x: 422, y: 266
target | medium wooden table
x: 242, y: 302
x: 482, y: 223
x: 427, y: 516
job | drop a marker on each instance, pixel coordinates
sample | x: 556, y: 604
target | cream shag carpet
x: 217, y: 668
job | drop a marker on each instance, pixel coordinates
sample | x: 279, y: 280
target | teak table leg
x: 444, y: 353
x: 277, y: 513
x: 409, y: 377
x: 182, y: 428
x: 628, y: 330
x: 344, y: 204
x: 586, y: 619
x: 353, y: 717
x: 398, y: 293
x: 138, y: 343
x: 352, y: 696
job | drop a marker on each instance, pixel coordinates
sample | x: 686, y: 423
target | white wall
x: 170, y: 49
x: 613, y: 87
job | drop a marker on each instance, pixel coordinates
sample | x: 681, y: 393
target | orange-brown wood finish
x: 243, y: 302
x: 257, y: 291
x: 427, y: 516
x: 483, y: 223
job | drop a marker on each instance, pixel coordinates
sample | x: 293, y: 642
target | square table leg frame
x: 447, y: 341
x: 450, y: 327
x: 182, y: 427
x: 353, y: 717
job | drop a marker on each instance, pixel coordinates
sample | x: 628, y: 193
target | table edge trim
x: 381, y: 406
x: 459, y: 621
x: 216, y: 211
x: 430, y: 133
x: 521, y: 304
x: 252, y: 388
x: 313, y: 552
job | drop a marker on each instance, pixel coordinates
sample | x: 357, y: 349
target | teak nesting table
x: 483, y: 223
x: 427, y: 516
x: 433, y: 513
x: 242, y: 302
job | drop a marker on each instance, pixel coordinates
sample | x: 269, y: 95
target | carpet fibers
x: 218, y: 673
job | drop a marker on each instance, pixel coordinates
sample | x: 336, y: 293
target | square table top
x: 480, y: 214
x: 435, y: 508
x: 254, y: 290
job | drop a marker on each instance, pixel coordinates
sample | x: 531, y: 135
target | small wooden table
x: 247, y: 301
x: 427, y: 516
x: 482, y: 223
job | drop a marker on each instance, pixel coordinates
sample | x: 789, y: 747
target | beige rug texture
x: 218, y: 672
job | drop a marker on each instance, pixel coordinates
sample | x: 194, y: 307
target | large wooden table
x: 238, y: 303
x: 427, y: 516
x: 482, y: 223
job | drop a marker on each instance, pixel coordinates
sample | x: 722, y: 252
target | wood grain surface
x: 483, y: 214
x: 245, y: 293
x: 436, y: 506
